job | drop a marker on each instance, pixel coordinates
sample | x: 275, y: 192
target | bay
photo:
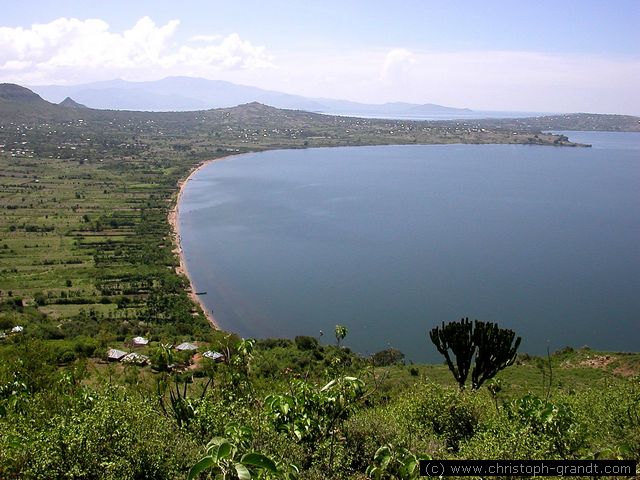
x: 393, y: 240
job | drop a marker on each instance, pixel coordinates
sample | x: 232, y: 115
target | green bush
x: 368, y: 430
x: 503, y: 438
x: 387, y: 357
x: 304, y: 342
x: 112, y: 435
x: 554, y: 421
x: 451, y: 415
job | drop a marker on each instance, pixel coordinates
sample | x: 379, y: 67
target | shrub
x: 113, y: 436
x: 553, y: 421
x: 368, y: 430
x: 387, y: 357
x: 451, y: 415
x: 304, y: 342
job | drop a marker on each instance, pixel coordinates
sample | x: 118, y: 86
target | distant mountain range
x: 18, y: 103
x: 187, y: 94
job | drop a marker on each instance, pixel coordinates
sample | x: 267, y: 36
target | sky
x: 542, y: 56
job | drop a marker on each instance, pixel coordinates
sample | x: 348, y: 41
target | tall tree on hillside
x: 493, y: 347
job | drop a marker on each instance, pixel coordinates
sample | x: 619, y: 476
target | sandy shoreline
x: 181, y: 269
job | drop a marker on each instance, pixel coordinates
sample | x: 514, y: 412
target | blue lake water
x: 391, y: 241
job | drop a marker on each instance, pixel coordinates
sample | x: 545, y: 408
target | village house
x: 186, y: 346
x: 139, y: 342
x: 215, y: 356
x: 135, y: 358
x: 115, y: 355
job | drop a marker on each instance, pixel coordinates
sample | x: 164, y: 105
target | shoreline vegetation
x: 90, y: 265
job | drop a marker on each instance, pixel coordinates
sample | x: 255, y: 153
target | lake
x: 391, y: 241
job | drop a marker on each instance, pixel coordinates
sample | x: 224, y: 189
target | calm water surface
x: 391, y: 241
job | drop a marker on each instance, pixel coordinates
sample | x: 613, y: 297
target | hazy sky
x: 492, y: 55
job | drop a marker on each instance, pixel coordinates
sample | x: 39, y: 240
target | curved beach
x: 182, y: 269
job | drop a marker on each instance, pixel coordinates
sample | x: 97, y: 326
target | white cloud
x: 481, y: 80
x: 231, y: 53
x: 205, y: 38
x: 397, y: 65
x: 68, y: 50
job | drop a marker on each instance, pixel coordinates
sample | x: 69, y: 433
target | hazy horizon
x: 499, y: 56
x: 381, y: 104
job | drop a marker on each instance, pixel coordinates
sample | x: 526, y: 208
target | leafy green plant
x: 182, y: 407
x: 555, y: 421
x: 494, y: 388
x: 240, y: 364
x: 341, y: 332
x: 395, y: 463
x: 310, y: 415
x: 226, y: 460
x: 12, y: 395
x: 161, y: 357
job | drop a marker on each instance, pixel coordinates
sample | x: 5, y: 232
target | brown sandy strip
x: 181, y: 269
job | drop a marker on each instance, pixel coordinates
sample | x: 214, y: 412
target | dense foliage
x: 336, y: 416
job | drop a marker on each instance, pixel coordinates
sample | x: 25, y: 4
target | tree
x: 385, y: 358
x: 496, y: 351
x: 341, y: 332
x: 457, y: 337
x: 493, y: 347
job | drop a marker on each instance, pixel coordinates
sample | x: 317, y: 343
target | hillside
x: 172, y: 94
x: 18, y: 103
x: 10, y: 92
x: 87, y: 265
x: 574, y: 121
x: 71, y: 103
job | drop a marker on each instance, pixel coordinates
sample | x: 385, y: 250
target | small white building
x: 135, y: 358
x: 17, y: 329
x: 139, y: 341
x: 115, y: 355
x: 215, y: 356
x: 186, y: 346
